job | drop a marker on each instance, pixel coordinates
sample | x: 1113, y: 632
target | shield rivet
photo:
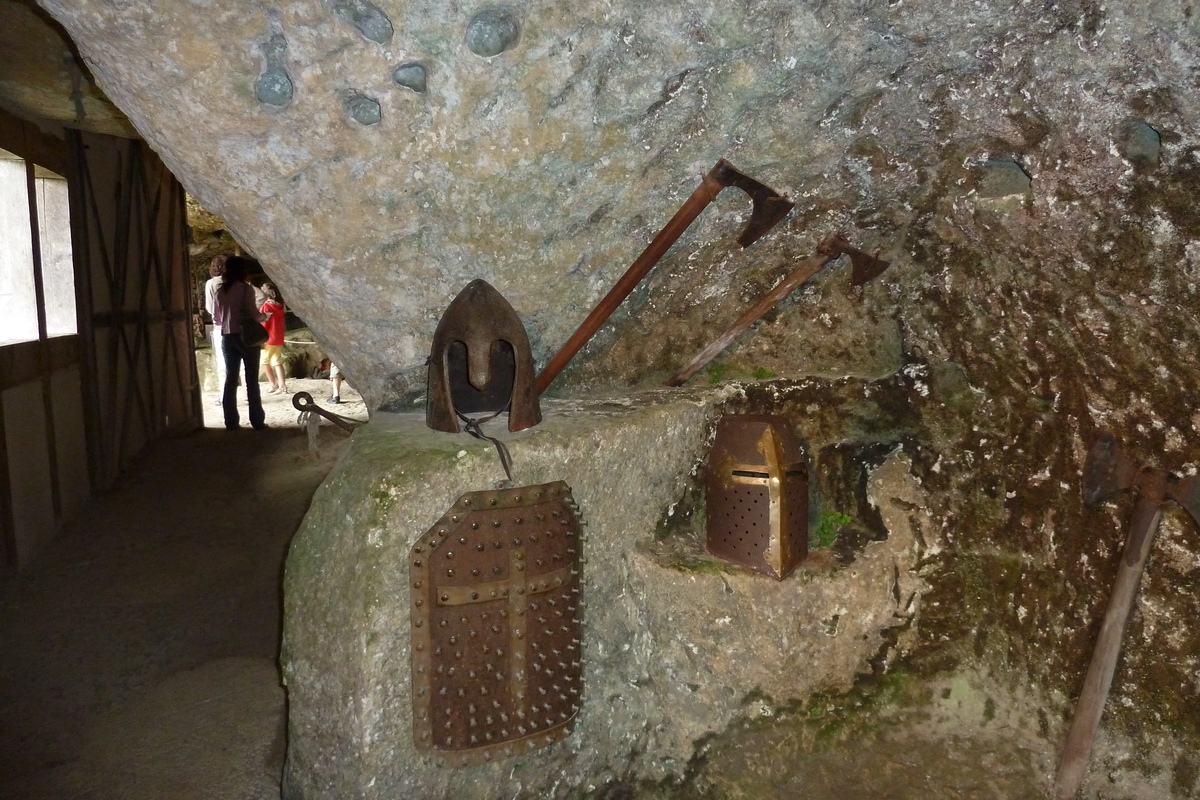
x: 449, y: 573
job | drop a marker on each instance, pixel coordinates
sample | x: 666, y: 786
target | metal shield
x: 497, y: 624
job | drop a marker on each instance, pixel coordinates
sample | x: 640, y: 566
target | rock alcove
x: 1029, y: 171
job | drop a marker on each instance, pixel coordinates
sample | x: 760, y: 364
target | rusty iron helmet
x: 480, y: 362
x: 756, y: 488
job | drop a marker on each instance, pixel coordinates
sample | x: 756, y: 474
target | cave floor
x: 139, y: 651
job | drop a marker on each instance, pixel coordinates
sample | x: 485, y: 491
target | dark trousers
x: 238, y: 355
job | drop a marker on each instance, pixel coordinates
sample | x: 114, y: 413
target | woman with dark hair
x: 235, y: 302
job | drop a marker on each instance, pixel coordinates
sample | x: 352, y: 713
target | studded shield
x: 756, y: 490
x: 497, y: 626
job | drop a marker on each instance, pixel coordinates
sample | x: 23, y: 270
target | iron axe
x: 864, y: 267
x: 1107, y: 472
x: 769, y: 208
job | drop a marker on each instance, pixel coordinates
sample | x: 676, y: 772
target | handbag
x: 254, y: 334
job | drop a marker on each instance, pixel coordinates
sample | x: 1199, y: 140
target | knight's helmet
x: 481, y: 362
x: 756, y: 490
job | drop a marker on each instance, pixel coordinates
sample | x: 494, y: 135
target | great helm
x: 480, y: 362
x: 756, y: 490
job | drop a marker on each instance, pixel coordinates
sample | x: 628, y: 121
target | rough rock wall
x: 677, y: 645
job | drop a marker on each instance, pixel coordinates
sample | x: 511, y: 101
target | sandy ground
x: 138, y: 655
x: 279, y: 409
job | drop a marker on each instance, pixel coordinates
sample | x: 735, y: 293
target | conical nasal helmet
x: 481, y: 363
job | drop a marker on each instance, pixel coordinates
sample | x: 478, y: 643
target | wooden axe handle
x: 1142, y: 526
x: 827, y: 251
x: 705, y: 193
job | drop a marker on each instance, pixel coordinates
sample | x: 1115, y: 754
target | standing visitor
x: 235, y: 302
x: 335, y: 378
x: 273, y: 350
x: 216, y: 268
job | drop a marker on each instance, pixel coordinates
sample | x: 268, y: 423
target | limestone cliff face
x: 1030, y: 169
x: 376, y: 163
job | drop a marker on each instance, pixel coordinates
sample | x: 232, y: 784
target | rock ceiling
x: 44, y: 80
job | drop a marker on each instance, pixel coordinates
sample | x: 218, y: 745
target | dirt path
x: 279, y: 409
x: 139, y: 652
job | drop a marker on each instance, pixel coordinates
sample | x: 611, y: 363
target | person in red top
x: 273, y: 350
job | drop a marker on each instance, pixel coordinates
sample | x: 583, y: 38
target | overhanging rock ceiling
x: 42, y: 78
x: 377, y: 156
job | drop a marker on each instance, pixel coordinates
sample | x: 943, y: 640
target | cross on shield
x: 497, y: 661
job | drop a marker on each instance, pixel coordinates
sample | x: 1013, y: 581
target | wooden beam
x: 29, y: 142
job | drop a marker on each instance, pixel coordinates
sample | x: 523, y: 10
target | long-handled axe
x: 864, y: 267
x: 1107, y: 472
x: 769, y: 208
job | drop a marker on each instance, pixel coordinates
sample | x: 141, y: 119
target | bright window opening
x: 54, y: 235
x: 18, y: 294
x: 18, y: 301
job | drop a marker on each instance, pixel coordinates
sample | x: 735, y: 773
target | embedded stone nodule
x: 274, y: 86
x: 1002, y: 177
x: 411, y: 76
x: 371, y: 22
x: 492, y: 31
x: 363, y: 109
x: 1139, y: 143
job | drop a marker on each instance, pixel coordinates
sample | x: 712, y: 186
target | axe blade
x: 865, y: 267
x: 1186, y: 492
x: 1106, y: 471
x: 769, y: 205
x: 767, y: 213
